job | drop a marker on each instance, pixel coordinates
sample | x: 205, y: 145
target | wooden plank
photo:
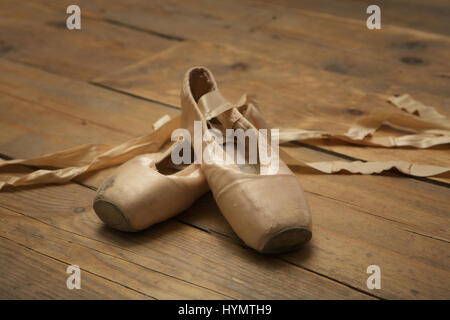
x: 329, y: 196
x: 392, y: 255
x: 348, y: 237
x: 75, y: 201
x: 51, y: 107
x: 26, y: 274
x: 406, y: 204
x: 87, y: 103
x: 325, y: 206
x: 330, y: 210
x: 427, y: 16
x: 36, y: 34
x: 418, y: 206
x: 284, y: 41
x: 78, y: 203
x: 356, y: 72
x: 173, y: 18
x: 234, y: 15
x: 389, y: 48
x: 393, y: 59
x: 345, y: 256
x: 60, y: 110
x: 323, y: 106
x: 364, y: 220
x: 91, y: 255
x: 346, y: 240
x: 165, y: 261
x: 386, y: 62
x: 86, y: 133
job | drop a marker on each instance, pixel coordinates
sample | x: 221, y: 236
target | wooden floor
x: 312, y: 64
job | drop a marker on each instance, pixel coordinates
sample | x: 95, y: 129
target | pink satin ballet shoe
x: 146, y: 190
x: 267, y: 211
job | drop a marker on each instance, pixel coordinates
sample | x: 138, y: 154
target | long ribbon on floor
x: 430, y: 128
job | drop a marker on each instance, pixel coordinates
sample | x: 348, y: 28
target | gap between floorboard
x: 109, y: 244
x: 66, y: 263
x: 211, y: 232
x: 309, y: 146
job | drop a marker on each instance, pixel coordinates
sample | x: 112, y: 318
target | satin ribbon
x: 430, y: 128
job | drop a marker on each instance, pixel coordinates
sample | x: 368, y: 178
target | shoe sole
x: 112, y: 216
x: 287, y: 240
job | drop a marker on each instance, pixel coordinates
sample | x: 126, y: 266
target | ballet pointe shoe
x: 268, y: 211
x: 146, y: 190
x: 149, y: 189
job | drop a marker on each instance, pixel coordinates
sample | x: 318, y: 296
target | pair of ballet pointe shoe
x: 267, y: 211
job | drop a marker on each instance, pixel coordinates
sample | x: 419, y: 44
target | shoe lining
x: 166, y: 167
x: 200, y: 83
